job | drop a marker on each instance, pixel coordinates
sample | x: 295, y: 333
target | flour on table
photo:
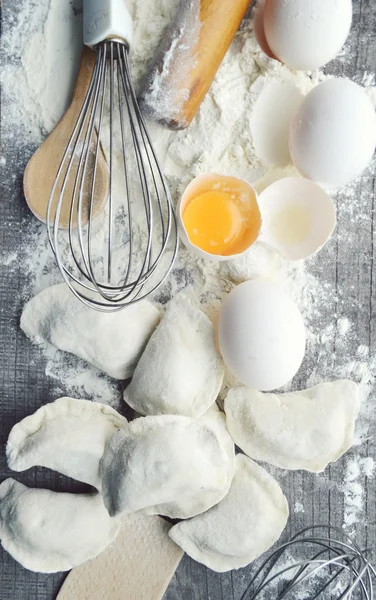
x: 354, y: 495
x: 298, y: 508
x: 34, y: 99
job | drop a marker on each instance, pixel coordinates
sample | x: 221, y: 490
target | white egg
x: 333, y: 135
x: 261, y: 335
x: 271, y: 119
x: 307, y: 34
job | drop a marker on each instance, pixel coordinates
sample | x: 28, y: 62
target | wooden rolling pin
x: 188, y: 58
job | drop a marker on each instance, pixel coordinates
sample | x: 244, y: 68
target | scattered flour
x: 357, y: 469
x: 164, y: 90
x: 298, y: 508
x: 41, y: 42
x: 343, y: 326
x: 353, y: 495
x: 368, y: 466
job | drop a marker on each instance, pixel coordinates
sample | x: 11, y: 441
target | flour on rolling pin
x: 188, y: 58
x: 166, y: 87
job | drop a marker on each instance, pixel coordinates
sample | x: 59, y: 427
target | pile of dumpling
x: 179, y: 459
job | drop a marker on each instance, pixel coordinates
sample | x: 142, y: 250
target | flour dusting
x: 43, y: 41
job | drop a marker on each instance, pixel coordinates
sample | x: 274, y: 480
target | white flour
x: 357, y: 469
x: 43, y: 41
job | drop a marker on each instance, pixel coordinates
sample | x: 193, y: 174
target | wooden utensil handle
x: 188, y: 58
x: 138, y: 565
x: 84, y: 75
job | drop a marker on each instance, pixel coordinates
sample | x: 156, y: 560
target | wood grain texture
x: 219, y: 22
x: 142, y: 557
x: 347, y: 264
x: 43, y: 166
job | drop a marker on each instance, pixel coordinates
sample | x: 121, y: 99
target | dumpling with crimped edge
x: 68, y: 436
x: 215, y: 420
x: 244, y: 525
x: 49, y: 531
x: 296, y: 430
x: 111, y: 341
x: 181, y: 371
x: 168, y: 465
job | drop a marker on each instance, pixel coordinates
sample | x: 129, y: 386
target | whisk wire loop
x: 114, y: 255
x: 353, y: 575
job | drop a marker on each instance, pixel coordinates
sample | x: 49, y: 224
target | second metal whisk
x: 121, y: 239
x: 331, y: 567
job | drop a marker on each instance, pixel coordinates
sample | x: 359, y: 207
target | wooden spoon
x: 138, y: 565
x: 41, y: 170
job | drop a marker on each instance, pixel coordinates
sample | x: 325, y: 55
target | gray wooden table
x: 347, y: 263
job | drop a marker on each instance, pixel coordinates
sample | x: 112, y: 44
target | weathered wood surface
x: 347, y: 263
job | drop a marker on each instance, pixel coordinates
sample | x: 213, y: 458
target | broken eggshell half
x: 244, y: 209
x: 298, y: 217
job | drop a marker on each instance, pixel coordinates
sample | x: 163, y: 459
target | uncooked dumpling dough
x: 168, y: 465
x: 68, y: 436
x: 181, y: 371
x: 216, y: 420
x: 49, y: 532
x: 112, y: 342
x: 246, y: 523
x: 299, y: 430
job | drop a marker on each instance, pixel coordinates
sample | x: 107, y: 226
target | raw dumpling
x: 68, y: 436
x: 112, y: 342
x: 168, y: 465
x: 216, y: 420
x: 181, y: 371
x: 242, y: 526
x: 48, y: 532
x: 299, y: 430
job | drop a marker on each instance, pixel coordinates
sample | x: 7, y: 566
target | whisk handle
x: 107, y: 19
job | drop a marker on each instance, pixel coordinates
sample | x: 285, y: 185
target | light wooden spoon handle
x: 41, y: 170
x: 138, y: 565
x: 188, y: 58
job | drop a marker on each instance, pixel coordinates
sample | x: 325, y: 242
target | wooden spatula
x: 188, y: 58
x: 42, y: 168
x: 138, y: 565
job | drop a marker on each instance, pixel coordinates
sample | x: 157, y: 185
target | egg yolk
x: 213, y: 222
x: 222, y: 220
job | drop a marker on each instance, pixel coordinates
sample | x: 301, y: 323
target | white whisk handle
x: 105, y: 19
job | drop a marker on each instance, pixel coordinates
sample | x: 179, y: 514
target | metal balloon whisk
x: 120, y: 239
x: 318, y: 562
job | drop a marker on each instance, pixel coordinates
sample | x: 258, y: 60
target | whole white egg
x: 333, y: 134
x: 307, y: 34
x: 261, y: 335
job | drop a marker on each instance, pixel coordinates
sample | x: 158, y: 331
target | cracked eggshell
x: 307, y: 34
x: 199, y: 184
x: 261, y: 335
x: 298, y: 217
